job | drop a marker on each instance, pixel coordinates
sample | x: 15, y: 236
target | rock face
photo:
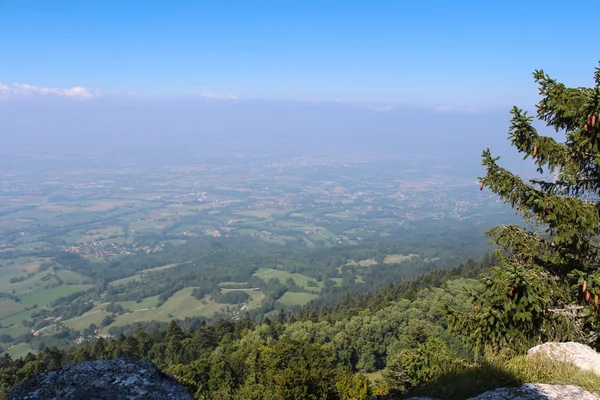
x: 117, y: 379
x: 575, y: 353
x: 538, y: 391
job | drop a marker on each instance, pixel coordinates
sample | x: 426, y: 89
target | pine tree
x: 548, y: 284
x: 143, y: 341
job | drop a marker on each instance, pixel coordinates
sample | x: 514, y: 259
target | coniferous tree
x: 548, y: 284
x: 143, y: 341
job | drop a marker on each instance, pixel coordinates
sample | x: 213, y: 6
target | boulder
x: 116, y: 379
x: 538, y: 391
x: 575, y: 353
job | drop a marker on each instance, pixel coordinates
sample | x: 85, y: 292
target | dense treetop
x: 548, y: 284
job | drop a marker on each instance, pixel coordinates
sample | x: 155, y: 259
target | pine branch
x: 568, y: 218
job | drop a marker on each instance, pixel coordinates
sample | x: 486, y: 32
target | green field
x: 29, y: 246
x: 69, y: 277
x: 301, y: 280
x: 84, y: 321
x: 101, y: 233
x: 148, y: 302
x: 47, y: 296
x: 33, y: 284
x: 124, y: 281
x: 21, y: 268
x: 15, y: 330
x: 148, y: 226
x: 17, y: 318
x: 338, y: 281
x: 256, y: 296
x: 293, y: 298
x: 19, y: 350
x: 9, y: 307
x: 181, y: 305
x: 139, y: 274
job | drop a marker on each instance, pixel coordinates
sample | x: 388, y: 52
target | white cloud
x: 387, y: 107
x: 25, y: 89
x: 214, y: 96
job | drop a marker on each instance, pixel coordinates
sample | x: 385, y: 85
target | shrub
x: 421, y: 364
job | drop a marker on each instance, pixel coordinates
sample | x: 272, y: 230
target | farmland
x: 9, y: 307
x: 290, y: 298
x: 47, y: 296
x: 110, y: 247
x: 179, y: 306
x: 299, y: 279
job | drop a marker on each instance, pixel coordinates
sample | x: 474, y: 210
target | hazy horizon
x: 176, y: 80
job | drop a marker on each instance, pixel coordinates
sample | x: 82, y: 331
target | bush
x: 422, y: 364
x: 352, y: 386
x: 106, y: 321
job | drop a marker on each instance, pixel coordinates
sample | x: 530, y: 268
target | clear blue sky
x: 466, y: 53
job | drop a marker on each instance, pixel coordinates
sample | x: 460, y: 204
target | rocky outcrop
x: 530, y: 391
x: 538, y: 391
x: 120, y: 378
x: 575, y: 353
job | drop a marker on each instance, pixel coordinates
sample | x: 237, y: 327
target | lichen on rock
x: 538, y: 391
x: 116, y: 379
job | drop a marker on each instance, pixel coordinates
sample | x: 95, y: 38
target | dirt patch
x: 398, y: 258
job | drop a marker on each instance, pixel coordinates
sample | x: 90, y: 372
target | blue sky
x: 465, y: 54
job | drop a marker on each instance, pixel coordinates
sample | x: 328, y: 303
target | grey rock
x: 575, y: 353
x: 538, y: 391
x: 421, y: 398
x: 116, y: 379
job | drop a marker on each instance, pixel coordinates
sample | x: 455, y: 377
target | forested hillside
x: 70, y: 297
x: 318, y: 353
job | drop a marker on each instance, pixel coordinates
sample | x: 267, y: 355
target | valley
x: 89, y: 253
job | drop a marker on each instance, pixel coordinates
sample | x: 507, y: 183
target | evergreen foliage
x: 548, y: 284
x: 417, y: 366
